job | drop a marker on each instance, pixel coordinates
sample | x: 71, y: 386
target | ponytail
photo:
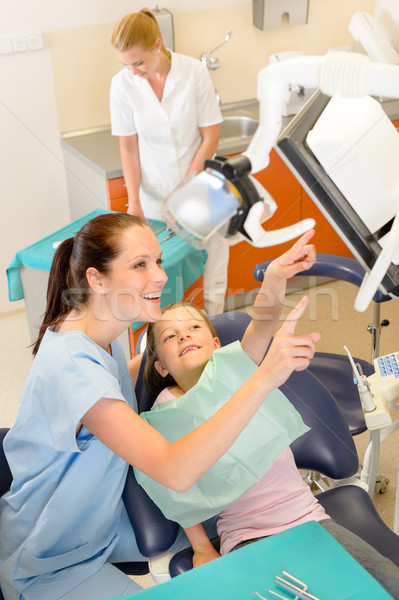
x: 138, y: 29
x: 56, y: 308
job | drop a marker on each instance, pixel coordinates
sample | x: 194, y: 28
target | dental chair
x: 327, y: 448
x: 334, y: 370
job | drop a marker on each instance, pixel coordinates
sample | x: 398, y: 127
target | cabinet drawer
x: 118, y: 204
x: 116, y: 188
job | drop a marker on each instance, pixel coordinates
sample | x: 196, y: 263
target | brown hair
x: 138, y: 29
x: 96, y: 245
x: 153, y: 380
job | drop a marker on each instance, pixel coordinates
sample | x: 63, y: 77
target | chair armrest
x: 154, y: 532
x: 329, y: 265
x: 5, y: 473
x: 353, y: 508
x: 183, y: 560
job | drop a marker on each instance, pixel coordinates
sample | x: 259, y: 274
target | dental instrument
x: 158, y: 231
x: 362, y: 384
x: 171, y: 234
x: 291, y: 584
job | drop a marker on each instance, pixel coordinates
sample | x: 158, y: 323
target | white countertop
x: 100, y: 149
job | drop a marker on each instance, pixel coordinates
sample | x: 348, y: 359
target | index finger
x: 299, y: 245
x: 294, y: 316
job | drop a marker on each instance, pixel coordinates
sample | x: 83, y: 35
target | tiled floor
x: 330, y: 312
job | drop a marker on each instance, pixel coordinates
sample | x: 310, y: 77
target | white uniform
x: 168, y: 139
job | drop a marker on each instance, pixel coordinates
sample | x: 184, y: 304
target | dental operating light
x: 332, y: 162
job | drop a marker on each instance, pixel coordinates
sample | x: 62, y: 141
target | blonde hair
x: 153, y: 380
x: 138, y: 29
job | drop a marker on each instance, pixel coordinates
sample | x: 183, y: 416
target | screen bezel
x: 293, y: 149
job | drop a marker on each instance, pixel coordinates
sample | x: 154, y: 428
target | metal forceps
x: 150, y: 224
x: 292, y: 585
x: 159, y: 230
x: 171, y: 234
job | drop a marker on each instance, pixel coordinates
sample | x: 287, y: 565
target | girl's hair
x: 153, y: 380
x: 96, y: 245
x: 138, y: 29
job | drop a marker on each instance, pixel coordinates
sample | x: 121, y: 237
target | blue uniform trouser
x: 110, y: 582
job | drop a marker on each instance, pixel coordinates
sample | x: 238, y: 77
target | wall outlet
x: 19, y: 43
x: 35, y: 41
x: 5, y: 45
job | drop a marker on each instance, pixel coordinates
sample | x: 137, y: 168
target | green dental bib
x: 272, y: 429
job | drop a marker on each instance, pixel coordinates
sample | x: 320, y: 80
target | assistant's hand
x: 289, y: 352
x: 134, y: 208
x: 300, y: 257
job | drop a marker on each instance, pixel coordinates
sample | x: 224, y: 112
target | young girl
x: 63, y: 523
x: 179, y: 348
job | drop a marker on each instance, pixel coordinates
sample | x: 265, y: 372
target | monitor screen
x: 294, y: 150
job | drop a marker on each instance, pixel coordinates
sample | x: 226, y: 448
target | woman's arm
x: 270, y: 299
x: 207, y: 149
x: 130, y: 159
x: 203, y: 550
x: 181, y: 464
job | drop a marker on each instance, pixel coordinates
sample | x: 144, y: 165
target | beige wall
x: 83, y: 61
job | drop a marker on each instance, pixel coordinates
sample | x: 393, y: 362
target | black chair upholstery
x: 183, y: 560
x: 353, y: 508
x: 328, y: 446
x: 154, y: 532
x: 335, y: 372
x: 5, y: 473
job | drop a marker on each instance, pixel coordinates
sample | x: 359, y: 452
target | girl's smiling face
x: 184, y: 344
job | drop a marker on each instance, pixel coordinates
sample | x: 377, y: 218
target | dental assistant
x: 63, y: 524
x: 165, y: 112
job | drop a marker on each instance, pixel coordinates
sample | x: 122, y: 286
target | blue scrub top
x: 59, y: 522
